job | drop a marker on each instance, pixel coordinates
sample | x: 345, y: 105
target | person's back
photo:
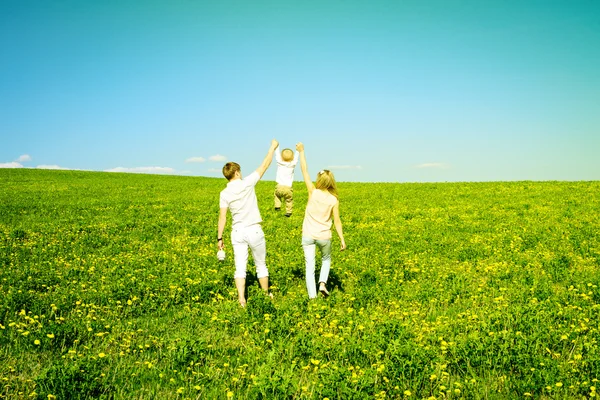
x: 317, y: 219
x: 286, y: 164
x: 240, y: 197
x: 321, y: 209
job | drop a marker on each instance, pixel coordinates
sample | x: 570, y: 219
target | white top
x: 239, y: 196
x: 319, y: 211
x: 285, y: 169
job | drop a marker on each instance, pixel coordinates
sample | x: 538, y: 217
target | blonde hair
x: 326, y: 181
x: 287, y: 154
x: 230, y: 169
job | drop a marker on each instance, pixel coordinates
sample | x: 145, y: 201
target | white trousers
x: 253, y: 237
x: 309, y: 246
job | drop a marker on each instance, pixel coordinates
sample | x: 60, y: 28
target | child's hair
x: 326, y: 181
x: 287, y: 154
x: 230, y: 169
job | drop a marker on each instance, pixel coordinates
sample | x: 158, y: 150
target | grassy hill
x: 111, y: 289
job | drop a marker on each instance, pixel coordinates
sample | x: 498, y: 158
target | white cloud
x: 344, y: 167
x: 24, y: 158
x: 44, y: 166
x: 217, y: 157
x: 195, y: 160
x: 13, y: 164
x: 432, y: 165
x: 143, y: 170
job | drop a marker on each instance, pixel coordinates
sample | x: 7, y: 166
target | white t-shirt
x: 239, y: 196
x: 285, y: 169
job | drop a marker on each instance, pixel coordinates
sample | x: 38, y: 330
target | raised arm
x: 338, y: 225
x: 278, y: 155
x: 309, y: 185
x: 269, y: 157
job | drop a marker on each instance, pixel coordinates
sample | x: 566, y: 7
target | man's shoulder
x: 226, y: 192
x: 252, y: 178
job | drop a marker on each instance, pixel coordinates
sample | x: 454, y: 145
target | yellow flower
x: 51, y: 336
x: 101, y: 355
x: 229, y: 395
x: 36, y: 342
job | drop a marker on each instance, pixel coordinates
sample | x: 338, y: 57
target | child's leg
x: 309, y: 247
x: 325, y: 246
x: 276, y: 199
x: 289, y: 200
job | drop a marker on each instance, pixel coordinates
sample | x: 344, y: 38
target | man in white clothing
x: 286, y: 162
x: 240, y: 198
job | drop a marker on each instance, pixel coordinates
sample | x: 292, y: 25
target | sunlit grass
x: 111, y: 289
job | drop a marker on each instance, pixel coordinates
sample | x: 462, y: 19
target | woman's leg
x: 309, y: 247
x: 325, y: 246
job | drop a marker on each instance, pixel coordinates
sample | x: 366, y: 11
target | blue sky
x: 394, y: 91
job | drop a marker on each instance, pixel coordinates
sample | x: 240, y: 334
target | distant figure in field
x: 286, y: 162
x: 322, y: 206
x: 240, y: 198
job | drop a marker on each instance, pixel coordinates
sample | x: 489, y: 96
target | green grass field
x: 111, y: 289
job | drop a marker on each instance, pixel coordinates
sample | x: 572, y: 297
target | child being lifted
x: 286, y: 162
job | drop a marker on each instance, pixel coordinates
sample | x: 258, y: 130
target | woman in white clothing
x: 322, y: 207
